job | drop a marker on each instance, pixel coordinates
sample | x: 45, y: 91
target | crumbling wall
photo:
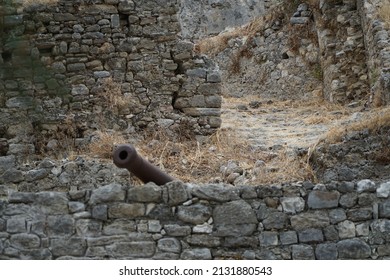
x: 71, y: 68
x: 186, y: 221
x: 343, y: 53
x: 210, y: 17
x: 376, y: 38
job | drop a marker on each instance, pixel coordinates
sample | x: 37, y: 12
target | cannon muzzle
x: 126, y: 156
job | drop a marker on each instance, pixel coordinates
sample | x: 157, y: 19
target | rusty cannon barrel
x: 126, y: 156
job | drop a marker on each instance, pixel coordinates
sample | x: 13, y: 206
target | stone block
x: 52, y: 203
x: 311, y: 235
x: 288, y: 237
x: 241, y: 241
x: 220, y: 193
x: 302, y: 252
x: 359, y: 214
x: 384, y: 190
x: 195, y: 214
x: 134, y: 249
x: 365, y: 186
x: 196, y: 254
x: 7, y: 162
x: 292, y: 205
x: 87, y: 227
x: 353, y: 249
x: 100, y: 212
x: 154, y: 226
x: 21, y: 197
x: 25, y: 241
x: 170, y: 245
x: 348, y: 200
x: 203, y: 240
x: 235, y: 230
x: 60, y: 225
x: 234, y: 212
x: 16, y: 225
x: 109, y: 193
x: 323, y: 199
x: 126, y: 210
x: 177, y: 230
x: 268, y: 238
x: 149, y: 192
x: 327, y: 251
x: 346, y: 229
x: 176, y: 193
x: 75, y: 206
x: 119, y: 226
x: 275, y: 220
x: 337, y: 215
x: 69, y: 246
x: 306, y: 220
x: 384, y: 209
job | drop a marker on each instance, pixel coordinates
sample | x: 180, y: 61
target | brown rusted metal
x: 126, y: 156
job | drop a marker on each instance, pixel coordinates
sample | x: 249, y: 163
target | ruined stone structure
x: 76, y: 67
x: 108, y: 65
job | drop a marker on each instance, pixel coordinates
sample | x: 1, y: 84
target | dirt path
x: 267, y: 123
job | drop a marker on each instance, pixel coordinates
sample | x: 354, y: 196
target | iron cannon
x: 126, y: 156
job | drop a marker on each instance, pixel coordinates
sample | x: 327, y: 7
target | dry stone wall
x: 186, y: 221
x: 377, y: 45
x: 76, y: 67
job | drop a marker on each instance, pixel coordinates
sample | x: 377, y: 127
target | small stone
x: 149, y: 192
x: 337, y: 215
x: 171, y: 245
x: 100, y: 212
x: 384, y: 209
x: 302, y: 252
x: 323, y: 199
x: 311, y: 235
x: 353, y: 249
x: 288, y: 237
x: 326, y: 251
x: 196, y: 254
x: 108, y: 193
x: 292, y: 205
x: 75, y: 206
x: 346, y: 229
x: 365, y: 186
x: 384, y: 190
x: 268, y: 238
x: 195, y: 214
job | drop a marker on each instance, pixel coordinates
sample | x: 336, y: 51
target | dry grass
x: 103, y: 145
x: 384, y: 12
x: 216, y: 44
x: 192, y: 161
x: 373, y: 122
x: 111, y: 93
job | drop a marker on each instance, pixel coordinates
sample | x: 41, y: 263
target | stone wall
x: 185, y: 221
x: 377, y: 42
x: 343, y: 53
x: 113, y: 64
x: 203, y: 18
